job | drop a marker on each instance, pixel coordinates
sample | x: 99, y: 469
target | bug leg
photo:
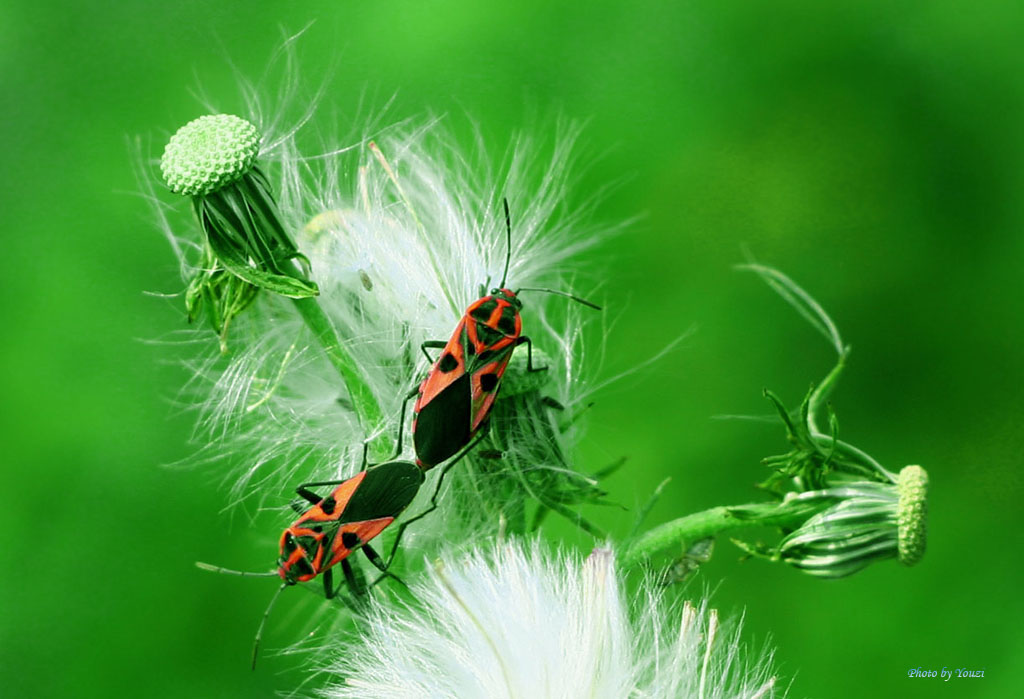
x: 318, y: 484
x: 549, y: 402
x: 401, y: 530
x: 307, y: 495
x: 329, y: 589
x: 529, y: 354
x: 431, y: 344
x: 356, y: 583
x: 401, y: 420
x: 427, y: 344
x: 380, y: 565
x: 374, y: 558
x: 433, y: 498
x: 433, y: 506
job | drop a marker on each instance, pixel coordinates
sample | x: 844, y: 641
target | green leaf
x: 235, y: 262
x: 804, y: 303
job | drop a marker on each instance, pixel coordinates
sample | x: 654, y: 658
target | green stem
x: 244, y: 231
x: 363, y: 401
x: 821, y: 393
x: 682, y: 532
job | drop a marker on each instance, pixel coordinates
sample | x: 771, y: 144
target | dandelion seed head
x: 515, y: 620
x: 208, y: 153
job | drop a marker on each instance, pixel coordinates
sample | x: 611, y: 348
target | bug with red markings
x: 340, y: 523
x: 454, y: 400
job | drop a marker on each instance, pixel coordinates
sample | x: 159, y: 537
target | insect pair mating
x: 449, y: 416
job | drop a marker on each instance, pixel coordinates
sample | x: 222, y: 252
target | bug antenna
x: 577, y: 299
x: 508, y: 244
x: 263, y: 621
x: 228, y: 571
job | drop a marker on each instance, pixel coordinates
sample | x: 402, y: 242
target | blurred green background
x: 871, y: 150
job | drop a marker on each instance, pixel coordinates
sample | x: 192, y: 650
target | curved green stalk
x: 364, y: 402
x: 682, y: 532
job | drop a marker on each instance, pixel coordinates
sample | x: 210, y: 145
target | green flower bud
x: 246, y: 244
x: 911, y: 513
x: 838, y: 508
x: 860, y: 523
x: 208, y: 153
x: 857, y: 528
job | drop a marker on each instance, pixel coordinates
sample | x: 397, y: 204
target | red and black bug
x: 454, y: 400
x: 341, y: 523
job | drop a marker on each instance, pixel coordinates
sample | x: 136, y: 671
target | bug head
x: 293, y: 565
x: 507, y: 295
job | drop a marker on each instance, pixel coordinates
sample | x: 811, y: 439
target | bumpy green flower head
x: 911, y: 514
x: 208, y: 153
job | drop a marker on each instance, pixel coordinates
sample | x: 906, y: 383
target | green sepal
x: 776, y: 513
x: 246, y: 236
x: 220, y: 294
x: 236, y: 262
x: 194, y: 293
x: 837, y: 531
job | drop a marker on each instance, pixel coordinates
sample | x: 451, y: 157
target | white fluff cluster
x: 517, y: 622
